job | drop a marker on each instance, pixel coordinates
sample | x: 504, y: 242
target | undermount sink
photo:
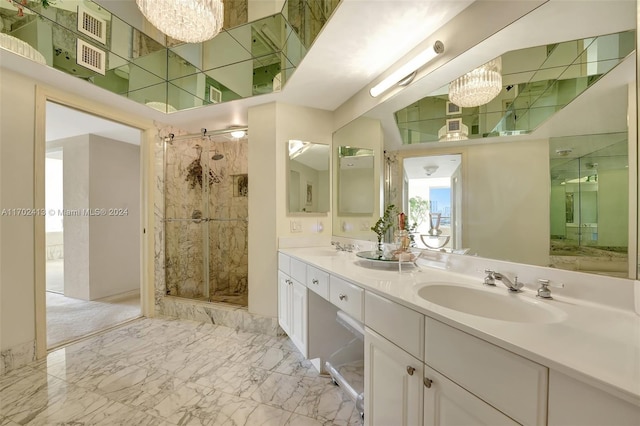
x: 489, y: 304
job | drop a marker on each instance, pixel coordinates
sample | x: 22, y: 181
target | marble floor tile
x: 259, y: 415
x: 170, y: 372
x: 296, y: 365
x: 327, y: 402
x: 282, y: 391
x: 300, y: 420
x: 232, y: 378
x: 7, y: 422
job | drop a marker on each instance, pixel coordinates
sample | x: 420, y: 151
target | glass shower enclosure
x: 206, y: 210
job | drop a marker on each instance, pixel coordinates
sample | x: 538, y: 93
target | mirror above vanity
x: 355, y: 181
x: 308, y: 179
x: 548, y: 167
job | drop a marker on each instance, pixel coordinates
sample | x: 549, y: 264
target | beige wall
x: 114, y: 238
x: 507, y: 191
x: 76, y: 235
x: 272, y: 126
x: 17, y: 314
x: 262, y: 242
x: 102, y: 253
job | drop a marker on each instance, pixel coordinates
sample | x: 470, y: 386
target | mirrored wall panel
x: 309, y: 179
x: 355, y: 181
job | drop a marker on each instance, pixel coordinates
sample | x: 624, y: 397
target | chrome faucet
x: 489, y: 279
x: 514, y: 285
x: 344, y: 247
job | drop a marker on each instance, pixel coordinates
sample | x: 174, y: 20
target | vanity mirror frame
x: 318, y: 189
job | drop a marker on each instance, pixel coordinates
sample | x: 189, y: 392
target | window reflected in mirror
x: 308, y: 179
x: 355, y: 181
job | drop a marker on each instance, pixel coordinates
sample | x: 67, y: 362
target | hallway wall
x: 17, y: 293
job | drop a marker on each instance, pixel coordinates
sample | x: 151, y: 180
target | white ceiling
x: 362, y: 39
x: 63, y: 122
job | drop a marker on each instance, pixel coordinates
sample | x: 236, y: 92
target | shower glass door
x: 206, y: 219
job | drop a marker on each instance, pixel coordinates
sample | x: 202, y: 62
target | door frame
x: 149, y: 136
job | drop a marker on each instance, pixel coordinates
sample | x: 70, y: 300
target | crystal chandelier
x: 477, y: 87
x: 191, y: 21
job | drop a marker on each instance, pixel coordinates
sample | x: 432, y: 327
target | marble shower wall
x: 234, y: 238
x: 199, y: 187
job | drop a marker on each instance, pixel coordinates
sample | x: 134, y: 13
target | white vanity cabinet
x: 508, y: 382
x: 446, y: 403
x: 392, y: 383
x: 572, y: 402
x: 292, y: 301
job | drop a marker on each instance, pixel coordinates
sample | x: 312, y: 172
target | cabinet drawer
x: 298, y: 271
x: 283, y: 263
x: 397, y: 323
x: 318, y: 281
x: 347, y: 297
x: 514, y: 385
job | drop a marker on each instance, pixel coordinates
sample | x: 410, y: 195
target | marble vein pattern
x: 166, y: 371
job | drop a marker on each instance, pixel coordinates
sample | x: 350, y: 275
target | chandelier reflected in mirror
x: 191, y: 21
x: 477, y: 87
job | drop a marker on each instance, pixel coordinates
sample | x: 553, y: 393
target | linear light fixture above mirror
x: 407, y: 69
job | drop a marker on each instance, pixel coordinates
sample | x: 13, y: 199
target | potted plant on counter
x: 383, y: 224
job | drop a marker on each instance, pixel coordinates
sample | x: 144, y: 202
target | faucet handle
x: 543, y: 291
x: 490, y: 278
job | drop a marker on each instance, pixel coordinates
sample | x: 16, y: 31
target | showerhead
x: 217, y: 156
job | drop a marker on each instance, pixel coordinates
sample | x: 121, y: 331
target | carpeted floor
x: 55, y: 275
x: 69, y: 319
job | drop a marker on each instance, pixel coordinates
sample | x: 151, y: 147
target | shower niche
x: 206, y: 211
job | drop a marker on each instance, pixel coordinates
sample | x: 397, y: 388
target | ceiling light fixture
x: 477, y: 87
x: 407, y: 69
x: 191, y: 21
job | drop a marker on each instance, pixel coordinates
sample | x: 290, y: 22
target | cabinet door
x: 572, y: 402
x: 446, y: 403
x: 284, y: 310
x: 298, y: 320
x: 392, y: 382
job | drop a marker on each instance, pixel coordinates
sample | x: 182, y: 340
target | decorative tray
x: 376, y: 256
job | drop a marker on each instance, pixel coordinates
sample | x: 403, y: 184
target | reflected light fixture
x: 477, y: 87
x: 191, y: 21
x: 238, y: 134
x: 406, y: 71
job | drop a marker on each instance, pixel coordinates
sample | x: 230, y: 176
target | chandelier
x: 191, y: 21
x: 477, y: 87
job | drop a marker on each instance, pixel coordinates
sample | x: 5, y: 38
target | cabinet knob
x: 410, y: 370
x: 342, y: 296
x: 427, y: 382
x: 314, y: 281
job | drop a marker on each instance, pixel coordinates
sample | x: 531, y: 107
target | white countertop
x: 593, y: 343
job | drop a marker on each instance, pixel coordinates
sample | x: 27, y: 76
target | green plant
x: 385, y: 222
x: 418, y: 208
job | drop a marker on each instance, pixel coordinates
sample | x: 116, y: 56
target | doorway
x: 432, y: 198
x: 92, y: 224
